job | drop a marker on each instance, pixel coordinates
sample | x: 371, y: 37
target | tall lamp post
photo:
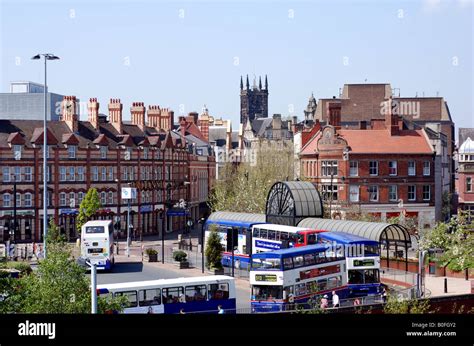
x: 15, y: 222
x: 47, y: 56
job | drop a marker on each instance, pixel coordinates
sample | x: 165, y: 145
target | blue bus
x: 280, y: 279
x: 362, y: 261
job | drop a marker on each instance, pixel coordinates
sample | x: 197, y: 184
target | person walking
x: 324, y: 302
x: 335, y: 300
x: 384, y: 295
x: 220, y: 310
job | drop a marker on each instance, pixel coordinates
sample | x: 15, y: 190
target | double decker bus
x: 252, y: 237
x: 279, y: 279
x: 170, y: 296
x: 97, y: 243
x: 362, y: 261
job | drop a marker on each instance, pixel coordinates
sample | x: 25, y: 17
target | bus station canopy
x: 241, y: 217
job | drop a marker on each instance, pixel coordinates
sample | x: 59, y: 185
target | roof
x: 467, y: 147
x: 345, y: 238
x: 284, y: 253
x: 464, y: 133
x: 241, y: 217
x: 378, y: 231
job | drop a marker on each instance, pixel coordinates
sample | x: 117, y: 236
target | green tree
x: 89, y: 206
x: 214, y: 249
x: 406, y: 306
x: 455, y: 239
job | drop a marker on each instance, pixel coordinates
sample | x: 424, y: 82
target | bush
x: 149, y: 251
x: 23, y: 267
x: 180, y: 256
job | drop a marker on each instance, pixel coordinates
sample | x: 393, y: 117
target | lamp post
x: 13, y: 229
x: 47, y: 56
x: 167, y: 204
x: 202, y: 222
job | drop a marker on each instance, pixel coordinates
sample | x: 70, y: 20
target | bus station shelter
x: 389, y: 235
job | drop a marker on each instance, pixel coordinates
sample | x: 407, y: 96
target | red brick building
x: 105, y: 153
x: 373, y: 167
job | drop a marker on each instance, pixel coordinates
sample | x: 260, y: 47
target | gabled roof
x: 126, y: 141
x: 70, y: 139
x: 101, y: 140
x: 16, y: 138
x: 37, y: 137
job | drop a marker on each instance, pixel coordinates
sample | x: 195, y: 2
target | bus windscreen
x: 94, y: 229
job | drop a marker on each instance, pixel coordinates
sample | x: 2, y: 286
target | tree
x: 59, y: 285
x: 89, y: 206
x: 405, y: 306
x: 455, y: 239
x: 244, y: 187
x: 214, y: 249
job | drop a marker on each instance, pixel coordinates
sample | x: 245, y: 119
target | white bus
x: 171, y: 296
x: 97, y: 243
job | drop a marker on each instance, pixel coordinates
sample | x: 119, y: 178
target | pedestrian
x: 150, y: 310
x: 335, y: 300
x: 356, y: 302
x: 384, y: 295
x: 324, y: 302
x: 220, y: 310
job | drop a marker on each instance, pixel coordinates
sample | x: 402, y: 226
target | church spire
x: 241, y: 83
x: 248, y: 84
x: 259, y: 83
x: 266, y: 83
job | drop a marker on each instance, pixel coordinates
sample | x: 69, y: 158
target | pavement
x: 456, y: 286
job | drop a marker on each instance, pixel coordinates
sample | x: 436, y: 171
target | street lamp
x: 202, y: 221
x: 47, y: 56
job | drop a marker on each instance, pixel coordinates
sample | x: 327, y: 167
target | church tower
x: 253, y: 101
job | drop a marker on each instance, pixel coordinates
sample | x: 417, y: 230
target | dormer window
x: 103, y: 152
x: 17, y: 152
x: 71, y: 151
x: 145, y: 153
x: 128, y: 154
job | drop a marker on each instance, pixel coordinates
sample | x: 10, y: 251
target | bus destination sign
x: 364, y: 263
x: 265, y: 277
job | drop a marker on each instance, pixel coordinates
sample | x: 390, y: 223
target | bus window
x: 322, y: 284
x: 287, y: 291
x: 370, y: 276
x: 298, y: 261
x: 277, y: 235
x: 283, y: 236
x: 320, y: 257
x: 219, y: 291
x: 94, y: 229
x: 131, y: 296
x: 300, y: 289
x: 195, y: 293
x: 263, y: 233
x: 371, y: 250
x: 356, y: 277
x: 292, y: 239
x: 300, y: 238
x: 172, y: 295
x: 287, y: 263
x: 332, y: 283
x: 309, y: 259
x: 149, y: 297
x: 267, y: 292
x: 243, y: 231
x: 256, y: 232
x: 311, y: 287
x: 311, y: 239
x: 271, y: 235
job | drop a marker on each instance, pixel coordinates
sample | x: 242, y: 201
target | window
x: 17, y: 201
x: 149, y: 297
x: 195, y: 293
x: 329, y: 168
x: 72, y: 174
x: 354, y: 193
x: 111, y: 197
x: 62, y: 199
x: 80, y: 173
x: 103, y: 175
x: 392, y: 193
x: 48, y: 173
x: 72, y: 200
x: 411, y: 168
x: 111, y: 173
x: 287, y: 263
x: 300, y: 289
x: 172, y: 294
x: 95, y: 173
x: 28, y: 175
x: 71, y: 151
x: 411, y: 192
x: 17, y: 152
x: 309, y: 259
x: 426, y: 168
x: 373, y: 168
x: 28, y: 199
x: 103, y: 198
x: 298, y: 261
x: 373, y: 193
x: 145, y: 153
x: 468, y: 184
x: 131, y: 297
x: 17, y: 173
x: 62, y: 173
x: 7, y: 198
x: 103, y: 152
x: 48, y: 151
x: 353, y: 168
x: 426, y: 192
x: 6, y: 174
x: 132, y: 173
x: 80, y: 197
x: 329, y: 192
x: 125, y: 173
x: 392, y: 167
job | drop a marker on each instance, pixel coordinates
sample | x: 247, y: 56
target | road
x: 138, y: 271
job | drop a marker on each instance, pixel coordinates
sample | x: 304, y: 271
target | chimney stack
x: 115, y: 114
x: 166, y: 120
x: 68, y: 113
x: 93, y: 110
x: 154, y: 114
x: 182, y: 125
x: 391, y: 117
x: 138, y: 114
x: 203, y: 123
x: 334, y: 110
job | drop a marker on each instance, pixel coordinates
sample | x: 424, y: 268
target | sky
x: 184, y: 54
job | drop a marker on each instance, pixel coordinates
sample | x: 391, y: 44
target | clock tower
x: 253, y: 101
